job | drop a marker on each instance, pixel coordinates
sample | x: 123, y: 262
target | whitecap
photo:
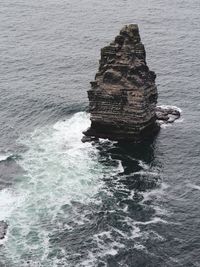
x: 153, y: 221
x: 4, y: 157
x: 140, y: 247
x: 132, y: 194
x: 170, y: 107
x: 164, y: 125
x: 147, y: 173
x: 194, y: 186
x: 143, y: 165
x: 158, y: 192
x: 120, y: 168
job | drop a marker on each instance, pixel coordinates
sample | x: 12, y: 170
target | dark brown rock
x: 123, y: 97
x: 167, y: 114
x: 88, y: 139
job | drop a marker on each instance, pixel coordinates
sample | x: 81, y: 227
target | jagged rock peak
x: 123, y: 97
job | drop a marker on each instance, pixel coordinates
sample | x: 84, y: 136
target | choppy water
x: 100, y: 204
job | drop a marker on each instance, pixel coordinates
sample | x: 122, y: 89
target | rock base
x: 115, y: 134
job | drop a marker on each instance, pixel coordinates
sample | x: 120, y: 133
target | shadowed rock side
x: 123, y: 97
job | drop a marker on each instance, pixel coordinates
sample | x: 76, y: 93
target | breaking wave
x: 170, y: 107
x: 4, y: 157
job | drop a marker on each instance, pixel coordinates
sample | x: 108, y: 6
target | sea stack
x: 123, y: 96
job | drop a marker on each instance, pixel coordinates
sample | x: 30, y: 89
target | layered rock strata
x: 123, y: 96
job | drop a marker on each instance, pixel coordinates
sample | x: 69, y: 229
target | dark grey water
x: 74, y: 204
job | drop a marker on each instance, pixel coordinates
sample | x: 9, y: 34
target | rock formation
x: 123, y: 97
x: 167, y: 114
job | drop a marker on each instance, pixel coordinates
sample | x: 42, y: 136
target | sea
x: 98, y: 204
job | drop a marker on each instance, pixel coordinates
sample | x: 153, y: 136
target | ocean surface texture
x: 75, y: 204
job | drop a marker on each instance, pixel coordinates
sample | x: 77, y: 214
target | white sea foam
x: 152, y: 221
x: 144, y: 165
x: 59, y: 169
x: 179, y: 120
x: 140, y: 247
x: 165, y: 125
x: 170, y: 107
x: 161, y: 211
x: 120, y: 168
x: 146, y: 173
x: 132, y: 194
x: 108, y: 248
x: 89, y: 261
x: 154, y: 235
x: 9, y: 201
x: 135, y: 230
x: 4, y: 157
x: 158, y: 192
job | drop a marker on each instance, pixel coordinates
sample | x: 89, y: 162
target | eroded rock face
x: 123, y: 97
